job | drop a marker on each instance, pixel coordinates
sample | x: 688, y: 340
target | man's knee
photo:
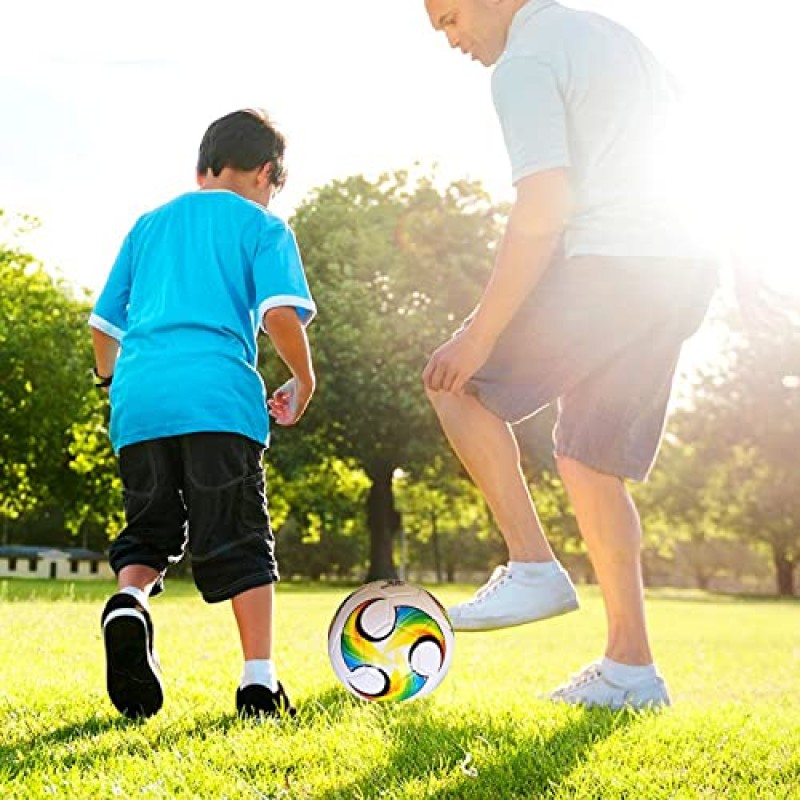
x: 442, y: 402
x: 574, y: 472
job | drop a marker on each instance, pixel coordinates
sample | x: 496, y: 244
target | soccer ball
x: 390, y: 641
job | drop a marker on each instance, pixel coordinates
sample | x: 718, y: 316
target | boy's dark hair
x: 243, y: 140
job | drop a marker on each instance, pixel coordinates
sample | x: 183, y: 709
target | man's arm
x: 288, y: 336
x: 760, y: 306
x: 532, y: 235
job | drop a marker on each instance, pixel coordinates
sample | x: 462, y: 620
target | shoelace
x: 500, y: 576
x: 586, y: 675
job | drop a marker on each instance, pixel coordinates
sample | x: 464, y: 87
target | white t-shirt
x: 573, y: 89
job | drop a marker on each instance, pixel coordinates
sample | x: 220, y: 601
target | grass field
x: 733, y: 666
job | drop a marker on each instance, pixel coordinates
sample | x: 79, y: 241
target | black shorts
x: 201, y: 490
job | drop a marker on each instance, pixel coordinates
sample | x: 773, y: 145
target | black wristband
x: 103, y: 381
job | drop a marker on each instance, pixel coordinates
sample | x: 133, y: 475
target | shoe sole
x: 507, y: 622
x: 132, y: 678
x: 625, y: 705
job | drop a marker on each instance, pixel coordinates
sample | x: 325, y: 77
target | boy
x: 174, y: 333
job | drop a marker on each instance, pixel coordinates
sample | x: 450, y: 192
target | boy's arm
x: 288, y: 335
x: 106, y: 349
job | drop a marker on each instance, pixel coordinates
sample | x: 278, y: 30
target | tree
x: 446, y: 522
x: 55, y: 457
x: 394, y: 265
x: 745, y: 421
x: 44, y: 356
x: 320, y: 524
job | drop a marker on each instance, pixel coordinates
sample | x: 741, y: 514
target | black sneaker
x: 133, y: 675
x: 257, y: 700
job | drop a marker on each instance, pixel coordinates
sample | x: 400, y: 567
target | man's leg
x: 488, y: 450
x: 609, y: 524
x: 535, y: 587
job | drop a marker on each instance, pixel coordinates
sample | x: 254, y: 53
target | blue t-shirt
x: 185, y: 299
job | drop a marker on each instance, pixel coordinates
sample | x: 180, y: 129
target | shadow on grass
x: 82, y: 744
x: 503, y: 756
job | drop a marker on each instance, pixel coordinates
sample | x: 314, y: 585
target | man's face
x: 478, y: 28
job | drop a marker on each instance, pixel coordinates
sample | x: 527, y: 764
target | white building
x: 63, y: 563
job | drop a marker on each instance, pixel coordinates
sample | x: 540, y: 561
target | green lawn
x: 733, y: 666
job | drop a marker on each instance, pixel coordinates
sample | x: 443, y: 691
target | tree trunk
x: 437, y: 558
x: 383, y: 522
x: 784, y: 573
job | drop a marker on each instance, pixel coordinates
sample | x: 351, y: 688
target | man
x: 595, y: 286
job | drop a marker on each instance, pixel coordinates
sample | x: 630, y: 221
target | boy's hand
x: 289, y: 401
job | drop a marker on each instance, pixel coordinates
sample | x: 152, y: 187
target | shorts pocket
x: 253, y: 509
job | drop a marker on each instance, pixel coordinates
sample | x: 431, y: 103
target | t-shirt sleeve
x: 110, y: 313
x: 280, y: 279
x: 532, y: 115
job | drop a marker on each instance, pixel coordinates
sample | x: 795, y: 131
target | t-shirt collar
x: 531, y: 8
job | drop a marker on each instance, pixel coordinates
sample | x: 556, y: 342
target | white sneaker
x: 590, y: 687
x: 508, y: 599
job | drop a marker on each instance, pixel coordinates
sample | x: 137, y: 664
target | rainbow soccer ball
x: 390, y: 641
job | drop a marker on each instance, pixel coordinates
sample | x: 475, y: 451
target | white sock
x: 534, y: 569
x: 261, y: 671
x: 140, y: 597
x: 626, y: 674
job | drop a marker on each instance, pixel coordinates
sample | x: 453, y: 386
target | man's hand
x: 455, y: 362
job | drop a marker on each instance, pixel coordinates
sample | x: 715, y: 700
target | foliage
x: 446, y: 523
x: 322, y: 530
x: 731, y: 467
x: 394, y: 265
x: 44, y: 354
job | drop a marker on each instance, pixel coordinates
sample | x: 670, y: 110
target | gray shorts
x: 600, y: 336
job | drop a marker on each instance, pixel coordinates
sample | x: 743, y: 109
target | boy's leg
x: 534, y: 586
x: 152, y: 538
x: 233, y: 557
x: 253, y: 612
x: 133, y: 674
x: 260, y: 693
x: 139, y: 577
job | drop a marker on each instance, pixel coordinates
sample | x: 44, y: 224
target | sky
x: 103, y: 104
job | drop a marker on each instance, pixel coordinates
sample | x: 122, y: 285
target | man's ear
x: 201, y: 179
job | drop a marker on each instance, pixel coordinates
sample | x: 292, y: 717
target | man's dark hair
x: 243, y: 140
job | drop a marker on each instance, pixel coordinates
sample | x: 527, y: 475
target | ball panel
x: 390, y: 641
